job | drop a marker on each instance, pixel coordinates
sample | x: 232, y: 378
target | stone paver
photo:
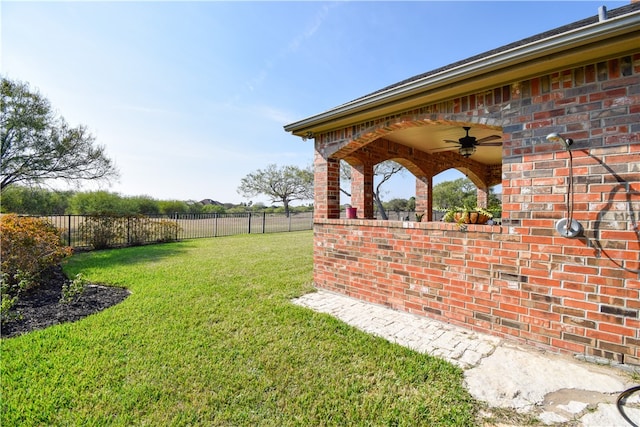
x: 497, y: 371
x: 457, y: 345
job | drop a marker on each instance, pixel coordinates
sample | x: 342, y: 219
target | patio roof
x: 577, y: 43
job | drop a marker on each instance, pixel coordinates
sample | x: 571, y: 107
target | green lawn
x: 209, y: 337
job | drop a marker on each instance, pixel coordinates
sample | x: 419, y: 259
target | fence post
x: 289, y: 216
x: 177, y: 225
x: 264, y: 220
x: 69, y: 232
x: 215, y: 225
x: 249, y: 222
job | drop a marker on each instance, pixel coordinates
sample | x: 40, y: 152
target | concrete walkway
x: 556, y: 389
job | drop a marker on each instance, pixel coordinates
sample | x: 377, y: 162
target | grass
x: 209, y: 337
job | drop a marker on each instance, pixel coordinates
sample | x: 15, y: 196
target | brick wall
x: 521, y: 280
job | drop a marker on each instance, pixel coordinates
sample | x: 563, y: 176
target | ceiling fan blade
x: 488, y: 138
x: 436, y: 150
x: 453, y: 142
x: 491, y: 144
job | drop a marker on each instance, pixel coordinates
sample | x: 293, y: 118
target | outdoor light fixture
x: 467, y: 151
x: 567, y: 227
x: 554, y: 137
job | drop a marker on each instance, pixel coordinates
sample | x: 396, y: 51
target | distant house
x: 532, y: 278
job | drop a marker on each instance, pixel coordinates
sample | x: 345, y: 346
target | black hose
x: 620, y: 403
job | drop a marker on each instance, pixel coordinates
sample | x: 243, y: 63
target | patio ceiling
x: 431, y: 139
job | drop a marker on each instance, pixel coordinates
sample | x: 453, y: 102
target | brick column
x: 483, y: 197
x: 326, y: 182
x: 362, y: 189
x: 424, y: 197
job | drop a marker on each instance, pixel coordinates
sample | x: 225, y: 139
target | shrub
x: 102, y: 231
x: 106, y: 231
x: 28, y: 247
x: 138, y: 230
x: 141, y: 230
x: 72, y: 289
x: 165, y: 230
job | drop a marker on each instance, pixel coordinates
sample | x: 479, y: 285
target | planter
x: 471, y: 217
x: 352, y: 213
x: 468, y: 215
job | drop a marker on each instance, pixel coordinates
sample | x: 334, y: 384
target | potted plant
x: 467, y: 215
x: 419, y: 216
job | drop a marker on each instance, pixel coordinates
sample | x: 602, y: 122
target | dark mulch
x: 41, y: 307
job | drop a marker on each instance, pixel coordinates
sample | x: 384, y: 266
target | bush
x: 73, y: 289
x: 143, y: 230
x: 106, y: 231
x: 28, y: 247
x: 102, y: 231
x: 164, y: 230
x: 138, y: 230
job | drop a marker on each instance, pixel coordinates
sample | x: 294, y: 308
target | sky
x: 190, y: 97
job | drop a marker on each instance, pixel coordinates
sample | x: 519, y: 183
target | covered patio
x: 522, y: 279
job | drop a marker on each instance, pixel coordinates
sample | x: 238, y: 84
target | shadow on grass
x: 108, y: 258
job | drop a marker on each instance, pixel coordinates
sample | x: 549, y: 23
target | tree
x: 383, y: 171
x: 98, y: 203
x: 39, y: 146
x: 145, y: 205
x: 36, y: 201
x: 450, y: 194
x: 169, y: 207
x: 397, y: 205
x: 281, y: 184
x: 214, y: 209
x: 459, y: 193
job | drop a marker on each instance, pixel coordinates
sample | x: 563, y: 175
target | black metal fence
x: 99, y: 231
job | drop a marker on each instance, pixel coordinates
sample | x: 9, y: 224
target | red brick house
x: 523, y: 279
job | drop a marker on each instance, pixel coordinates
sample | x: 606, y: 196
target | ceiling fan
x: 467, y: 144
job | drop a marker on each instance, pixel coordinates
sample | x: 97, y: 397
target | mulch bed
x: 41, y: 307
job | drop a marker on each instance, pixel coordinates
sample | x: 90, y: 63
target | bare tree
x: 383, y: 171
x: 39, y: 146
x: 281, y: 184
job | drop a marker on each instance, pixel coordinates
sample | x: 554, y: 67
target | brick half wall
x: 489, y: 278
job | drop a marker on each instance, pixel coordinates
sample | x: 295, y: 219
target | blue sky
x: 190, y: 97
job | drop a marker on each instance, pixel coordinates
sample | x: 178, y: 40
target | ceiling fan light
x: 467, y: 151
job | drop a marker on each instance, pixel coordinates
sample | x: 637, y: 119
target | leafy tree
x: 411, y: 204
x: 214, y: 209
x: 143, y: 205
x: 258, y: 207
x: 98, y: 202
x: 195, y: 207
x: 238, y: 209
x: 461, y: 192
x: 281, y: 184
x: 38, y: 146
x: 35, y: 201
x: 449, y: 194
x: 397, y: 205
x: 168, y: 207
x: 382, y: 173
